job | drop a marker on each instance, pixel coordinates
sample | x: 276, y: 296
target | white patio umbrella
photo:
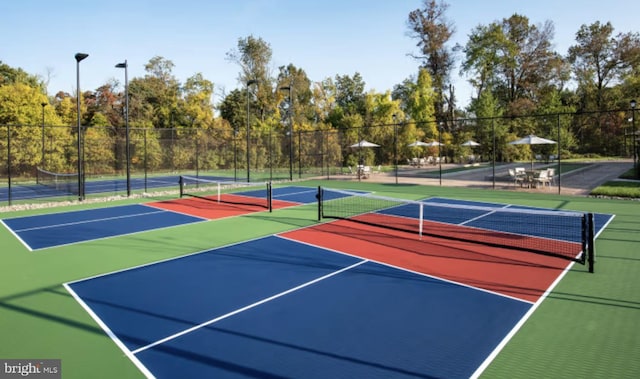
x: 418, y: 143
x: 470, y: 143
x: 364, y: 143
x: 434, y: 143
x: 532, y: 140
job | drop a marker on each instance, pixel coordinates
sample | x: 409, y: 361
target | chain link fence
x: 28, y: 152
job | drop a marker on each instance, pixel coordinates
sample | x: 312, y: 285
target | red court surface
x: 512, y: 273
x: 211, y: 209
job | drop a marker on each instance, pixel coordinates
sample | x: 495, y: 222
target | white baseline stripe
x: 107, y: 330
x: 17, y: 236
x: 196, y: 327
x: 90, y: 221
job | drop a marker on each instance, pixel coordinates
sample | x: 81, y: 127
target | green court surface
x: 586, y: 327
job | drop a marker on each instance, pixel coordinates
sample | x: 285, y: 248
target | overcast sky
x: 324, y: 38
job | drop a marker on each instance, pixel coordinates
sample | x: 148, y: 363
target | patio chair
x: 515, y: 177
x: 551, y: 173
x: 543, y: 178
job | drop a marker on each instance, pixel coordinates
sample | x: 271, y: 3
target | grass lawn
x: 626, y: 188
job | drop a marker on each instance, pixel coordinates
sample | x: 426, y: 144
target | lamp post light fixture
x: 289, y: 113
x: 126, y: 124
x: 249, y: 82
x: 42, y: 160
x: 635, y: 137
x: 79, y: 57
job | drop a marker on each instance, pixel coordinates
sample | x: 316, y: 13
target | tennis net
x: 241, y: 193
x: 66, y: 183
x: 563, y: 234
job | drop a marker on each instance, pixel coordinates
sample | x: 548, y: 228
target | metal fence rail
x: 276, y: 155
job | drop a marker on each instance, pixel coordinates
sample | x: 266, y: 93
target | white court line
x: 297, y: 193
x: 481, y: 216
x: 90, y: 221
x: 400, y: 268
x: 109, y: 332
x: 483, y: 366
x: 202, y: 325
x: 16, y: 235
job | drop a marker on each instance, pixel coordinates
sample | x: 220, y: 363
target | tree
x: 21, y: 110
x: 514, y: 60
x: 599, y: 59
x: 197, y: 101
x: 421, y: 104
x: 155, y: 97
x: 350, y: 94
x: 253, y: 55
x: 10, y: 75
x: 296, y: 78
x: 432, y: 30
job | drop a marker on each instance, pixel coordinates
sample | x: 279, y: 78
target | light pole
x: 635, y: 137
x: 42, y: 160
x: 249, y: 82
x: 235, y: 154
x: 126, y: 124
x: 440, y: 152
x: 289, y: 113
x: 79, y: 57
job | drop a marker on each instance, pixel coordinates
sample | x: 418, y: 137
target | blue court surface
x: 57, y: 229
x: 470, y: 217
x: 276, y: 308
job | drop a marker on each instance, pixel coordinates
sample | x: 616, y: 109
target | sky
x: 325, y: 38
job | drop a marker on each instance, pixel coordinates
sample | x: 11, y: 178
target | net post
x: 319, y: 197
x: 270, y: 196
x: 591, y: 258
x: 181, y: 183
x: 420, y: 219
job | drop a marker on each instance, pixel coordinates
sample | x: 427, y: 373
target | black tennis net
x: 563, y: 234
x: 65, y: 183
x: 230, y: 192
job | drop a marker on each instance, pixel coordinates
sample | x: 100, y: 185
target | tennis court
x: 58, y: 229
x: 279, y: 294
x: 337, y: 299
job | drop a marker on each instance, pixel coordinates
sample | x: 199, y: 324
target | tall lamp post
x: 440, y: 152
x: 635, y: 137
x: 249, y: 82
x: 79, y: 57
x: 126, y: 124
x: 290, y: 111
x: 42, y: 160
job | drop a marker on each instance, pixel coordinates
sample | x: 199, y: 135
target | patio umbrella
x: 418, y: 143
x: 532, y: 140
x: 470, y: 143
x: 433, y: 143
x: 364, y: 143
